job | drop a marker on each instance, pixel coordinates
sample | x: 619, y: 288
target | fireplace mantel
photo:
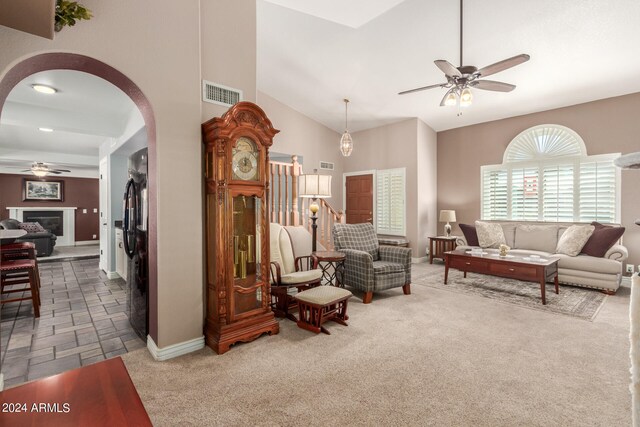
x: 69, y: 219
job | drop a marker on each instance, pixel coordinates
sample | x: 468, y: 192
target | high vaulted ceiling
x: 313, y: 54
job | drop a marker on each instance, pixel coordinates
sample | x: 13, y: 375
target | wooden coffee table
x: 513, y: 267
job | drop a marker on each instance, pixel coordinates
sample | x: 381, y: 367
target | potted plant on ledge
x: 68, y: 12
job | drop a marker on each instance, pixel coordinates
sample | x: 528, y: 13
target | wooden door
x: 359, y: 199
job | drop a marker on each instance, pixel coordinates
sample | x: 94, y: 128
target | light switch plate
x: 84, y: 211
x: 95, y: 210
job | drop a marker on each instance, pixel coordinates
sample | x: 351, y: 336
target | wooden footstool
x: 321, y: 304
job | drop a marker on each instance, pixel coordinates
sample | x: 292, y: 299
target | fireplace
x: 50, y: 220
x: 61, y: 221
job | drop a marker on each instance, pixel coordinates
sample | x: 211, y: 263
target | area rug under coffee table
x: 572, y: 301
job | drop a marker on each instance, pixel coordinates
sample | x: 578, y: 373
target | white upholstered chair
x: 291, y: 272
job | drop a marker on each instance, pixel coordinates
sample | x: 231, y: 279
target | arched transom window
x: 546, y: 175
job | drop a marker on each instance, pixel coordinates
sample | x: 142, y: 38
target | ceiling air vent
x: 219, y: 94
x: 328, y: 166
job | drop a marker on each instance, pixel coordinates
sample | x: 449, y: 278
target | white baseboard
x: 174, y: 350
x: 1, y: 382
x: 419, y: 260
x: 112, y: 275
x: 87, y: 242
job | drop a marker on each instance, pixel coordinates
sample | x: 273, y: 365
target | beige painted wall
x: 157, y: 45
x: 388, y: 147
x: 427, y: 147
x: 607, y: 126
x: 303, y: 136
x: 228, y: 35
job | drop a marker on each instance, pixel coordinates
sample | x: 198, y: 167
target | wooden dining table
x: 101, y: 394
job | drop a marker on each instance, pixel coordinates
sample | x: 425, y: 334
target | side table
x: 439, y: 245
x: 332, y: 265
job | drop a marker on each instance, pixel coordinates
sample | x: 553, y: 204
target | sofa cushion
x: 509, y: 230
x: 490, y: 234
x: 34, y: 227
x: 470, y: 234
x: 589, y: 263
x: 602, y: 239
x: 536, y: 237
x: 572, y: 240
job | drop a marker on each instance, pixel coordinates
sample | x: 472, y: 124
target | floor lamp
x: 314, y: 186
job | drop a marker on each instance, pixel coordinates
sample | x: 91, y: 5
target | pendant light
x: 346, y: 142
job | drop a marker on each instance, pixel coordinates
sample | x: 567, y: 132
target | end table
x: 332, y: 265
x: 439, y: 245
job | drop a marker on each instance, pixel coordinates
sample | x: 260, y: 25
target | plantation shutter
x: 494, y: 194
x: 390, y: 202
x: 557, y: 193
x: 524, y: 194
x: 598, y: 191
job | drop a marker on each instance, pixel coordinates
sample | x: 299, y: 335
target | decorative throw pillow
x: 490, y: 235
x: 470, y: 234
x: 602, y: 239
x: 32, y: 227
x: 572, y: 241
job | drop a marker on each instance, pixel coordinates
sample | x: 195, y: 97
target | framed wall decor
x: 39, y: 190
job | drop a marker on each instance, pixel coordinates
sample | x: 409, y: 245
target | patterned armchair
x: 370, y: 267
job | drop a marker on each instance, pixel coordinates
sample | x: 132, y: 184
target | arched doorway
x: 70, y: 61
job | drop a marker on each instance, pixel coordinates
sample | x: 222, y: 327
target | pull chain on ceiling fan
x: 461, y: 79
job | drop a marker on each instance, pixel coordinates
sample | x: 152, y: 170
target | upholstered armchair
x: 369, y: 266
x: 290, y: 273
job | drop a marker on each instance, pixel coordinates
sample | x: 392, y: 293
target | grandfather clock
x: 237, y: 226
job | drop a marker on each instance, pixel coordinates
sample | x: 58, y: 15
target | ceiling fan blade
x: 422, y: 88
x: 61, y: 170
x: 54, y: 171
x: 26, y: 170
x: 492, y: 85
x: 447, y: 68
x: 503, y: 65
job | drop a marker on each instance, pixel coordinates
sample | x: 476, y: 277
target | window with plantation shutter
x: 390, y: 202
x: 598, y: 187
x: 557, y: 193
x: 546, y: 175
x: 494, y: 194
x: 524, y: 194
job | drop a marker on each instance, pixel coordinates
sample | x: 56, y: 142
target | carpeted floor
x: 434, y: 357
x: 571, y: 300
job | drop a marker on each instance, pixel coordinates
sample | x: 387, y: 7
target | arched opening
x: 70, y: 61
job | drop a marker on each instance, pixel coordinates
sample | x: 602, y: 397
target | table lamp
x: 447, y: 216
x: 314, y: 186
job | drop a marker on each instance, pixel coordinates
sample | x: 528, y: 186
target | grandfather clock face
x: 244, y: 160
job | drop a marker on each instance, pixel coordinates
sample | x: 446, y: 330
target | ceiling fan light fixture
x: 39, y: 172
x: 466, y: 97
x: 346, y: 142
x: 451, y: 100
x: 44, y: 89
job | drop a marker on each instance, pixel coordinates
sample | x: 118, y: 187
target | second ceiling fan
x: 461, y: 79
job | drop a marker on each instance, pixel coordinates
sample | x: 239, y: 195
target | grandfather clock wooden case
x: 237, y: 227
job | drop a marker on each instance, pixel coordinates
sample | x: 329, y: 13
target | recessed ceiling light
x: 46, y: 129
x: 44, y: 89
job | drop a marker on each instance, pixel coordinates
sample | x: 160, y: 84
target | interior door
x: 359, y: 199
x: 104, y: 218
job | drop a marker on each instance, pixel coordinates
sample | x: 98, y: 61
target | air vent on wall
x: 327, y: 166
x: 219, y: 94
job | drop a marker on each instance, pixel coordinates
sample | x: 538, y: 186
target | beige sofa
x: 583, y: 270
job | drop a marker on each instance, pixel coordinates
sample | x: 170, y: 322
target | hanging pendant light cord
x: 346, y: 102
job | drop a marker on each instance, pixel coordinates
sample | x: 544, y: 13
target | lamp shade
x: 314, y: 186
x: 447, y: 216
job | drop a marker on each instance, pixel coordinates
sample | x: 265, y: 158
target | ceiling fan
x: 43, y: 169
x: 461, y: 79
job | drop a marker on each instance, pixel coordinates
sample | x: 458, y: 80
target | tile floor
x: 82, y: 321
